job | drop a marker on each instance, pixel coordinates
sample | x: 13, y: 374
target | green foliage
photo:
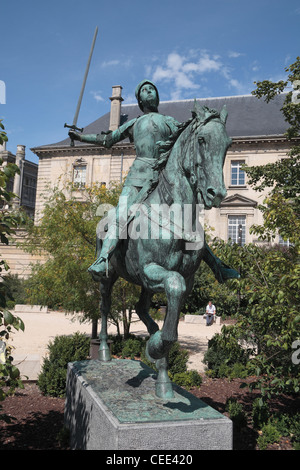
x: 236, y: 413
x: 269, y: 435
x: 260, y: 413
x: 225, y: 357
x: 3, y: 136
x: 188, y: 379
x: 132, y: 347
x: 66, y: 235
x: 288, y: 425
x: 268, y: 291
x: 268, y: 90
x: 9, y: 374
x: 64, y: 349
x: 178, y: 358
x: 15, y: 290
x: 268, y: 320
x: 205, y: 288
x: 125, y: 296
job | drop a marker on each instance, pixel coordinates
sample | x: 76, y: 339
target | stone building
x: 257, y: 130
x: 24, y: 187
x: 24, y: 184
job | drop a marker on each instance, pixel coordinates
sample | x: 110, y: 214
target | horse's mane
x: 165, y: 148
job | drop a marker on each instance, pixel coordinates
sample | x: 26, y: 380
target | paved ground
x: 30, y: 346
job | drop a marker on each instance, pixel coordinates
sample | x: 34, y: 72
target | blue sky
x: 190, y: 48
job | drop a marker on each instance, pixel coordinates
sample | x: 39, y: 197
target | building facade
x: 257, y: 130
x: 23, y: 185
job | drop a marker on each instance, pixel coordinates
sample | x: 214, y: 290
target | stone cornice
x: 265, y: 139
x: 79, y: 150
x: 90, y: 149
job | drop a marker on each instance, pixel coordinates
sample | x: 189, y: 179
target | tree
x: 66, y: 235
x: 9, y: 374
x: 124, y: 299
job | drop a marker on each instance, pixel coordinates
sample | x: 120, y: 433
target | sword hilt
x: 74, y: 128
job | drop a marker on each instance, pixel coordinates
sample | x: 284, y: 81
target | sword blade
x: 84, y: 79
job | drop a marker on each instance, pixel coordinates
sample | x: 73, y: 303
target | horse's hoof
x: 164, y: 390
x: 104, y: 352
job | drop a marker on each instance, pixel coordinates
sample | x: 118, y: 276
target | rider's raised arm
x: 107, y: 139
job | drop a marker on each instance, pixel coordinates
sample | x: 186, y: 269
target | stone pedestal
x: 113, y: 406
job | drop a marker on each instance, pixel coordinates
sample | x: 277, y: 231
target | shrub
x: 236, y: 413
x: 260, y: 413
x: 132, y: 348
x: 15, y: 290
x: 188, y: 379
x: 238, y: 370
x: 288, y: 425
x: 178, y: 358
x: 269, y: 435
x: 64, y: 349
x: 223, y: 352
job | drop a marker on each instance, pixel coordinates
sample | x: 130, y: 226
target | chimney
x: 115, y: 107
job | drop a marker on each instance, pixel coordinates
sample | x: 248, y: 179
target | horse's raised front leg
x: 106, y: 285
x: 175, y: 287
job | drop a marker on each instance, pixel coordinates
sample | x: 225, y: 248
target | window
x: 237, y: 174
x: 79, y: 176
x: 28, y: 190
x: 237, y: 229
x: 283, y: 242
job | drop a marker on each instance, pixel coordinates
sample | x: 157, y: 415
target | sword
x: 74, y: 125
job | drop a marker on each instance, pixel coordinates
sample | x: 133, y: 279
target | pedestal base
x: 113, y: 406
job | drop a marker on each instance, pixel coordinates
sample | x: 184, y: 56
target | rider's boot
x: 99, y: 268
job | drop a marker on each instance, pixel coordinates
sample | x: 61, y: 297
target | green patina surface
x: 127, y: 389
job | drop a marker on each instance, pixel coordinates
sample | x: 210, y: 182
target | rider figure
x: 145, y: 131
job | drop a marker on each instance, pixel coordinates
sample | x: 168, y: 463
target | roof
x: 247, y: 116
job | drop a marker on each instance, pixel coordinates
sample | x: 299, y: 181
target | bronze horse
x: 192, y: 177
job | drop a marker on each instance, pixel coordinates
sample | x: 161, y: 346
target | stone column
x: 18, y: 179
x: 115, y: 108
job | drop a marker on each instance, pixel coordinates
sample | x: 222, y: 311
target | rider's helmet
x: 138, y: 89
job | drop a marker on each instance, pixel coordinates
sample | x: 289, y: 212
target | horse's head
x: 205, y: 155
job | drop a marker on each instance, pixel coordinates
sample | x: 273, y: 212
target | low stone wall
x: 20, y: 308
x: 200, y: 319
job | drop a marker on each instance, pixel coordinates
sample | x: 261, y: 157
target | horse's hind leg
x: 142, y: 310
x: 106, y: 285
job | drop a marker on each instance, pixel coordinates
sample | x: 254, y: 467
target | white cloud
x: 185, y: 73
x: 125, y: 62
x: 97, y: 96
x: 202, y: 71
x: 234, y: 54
x: 110, y: 63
